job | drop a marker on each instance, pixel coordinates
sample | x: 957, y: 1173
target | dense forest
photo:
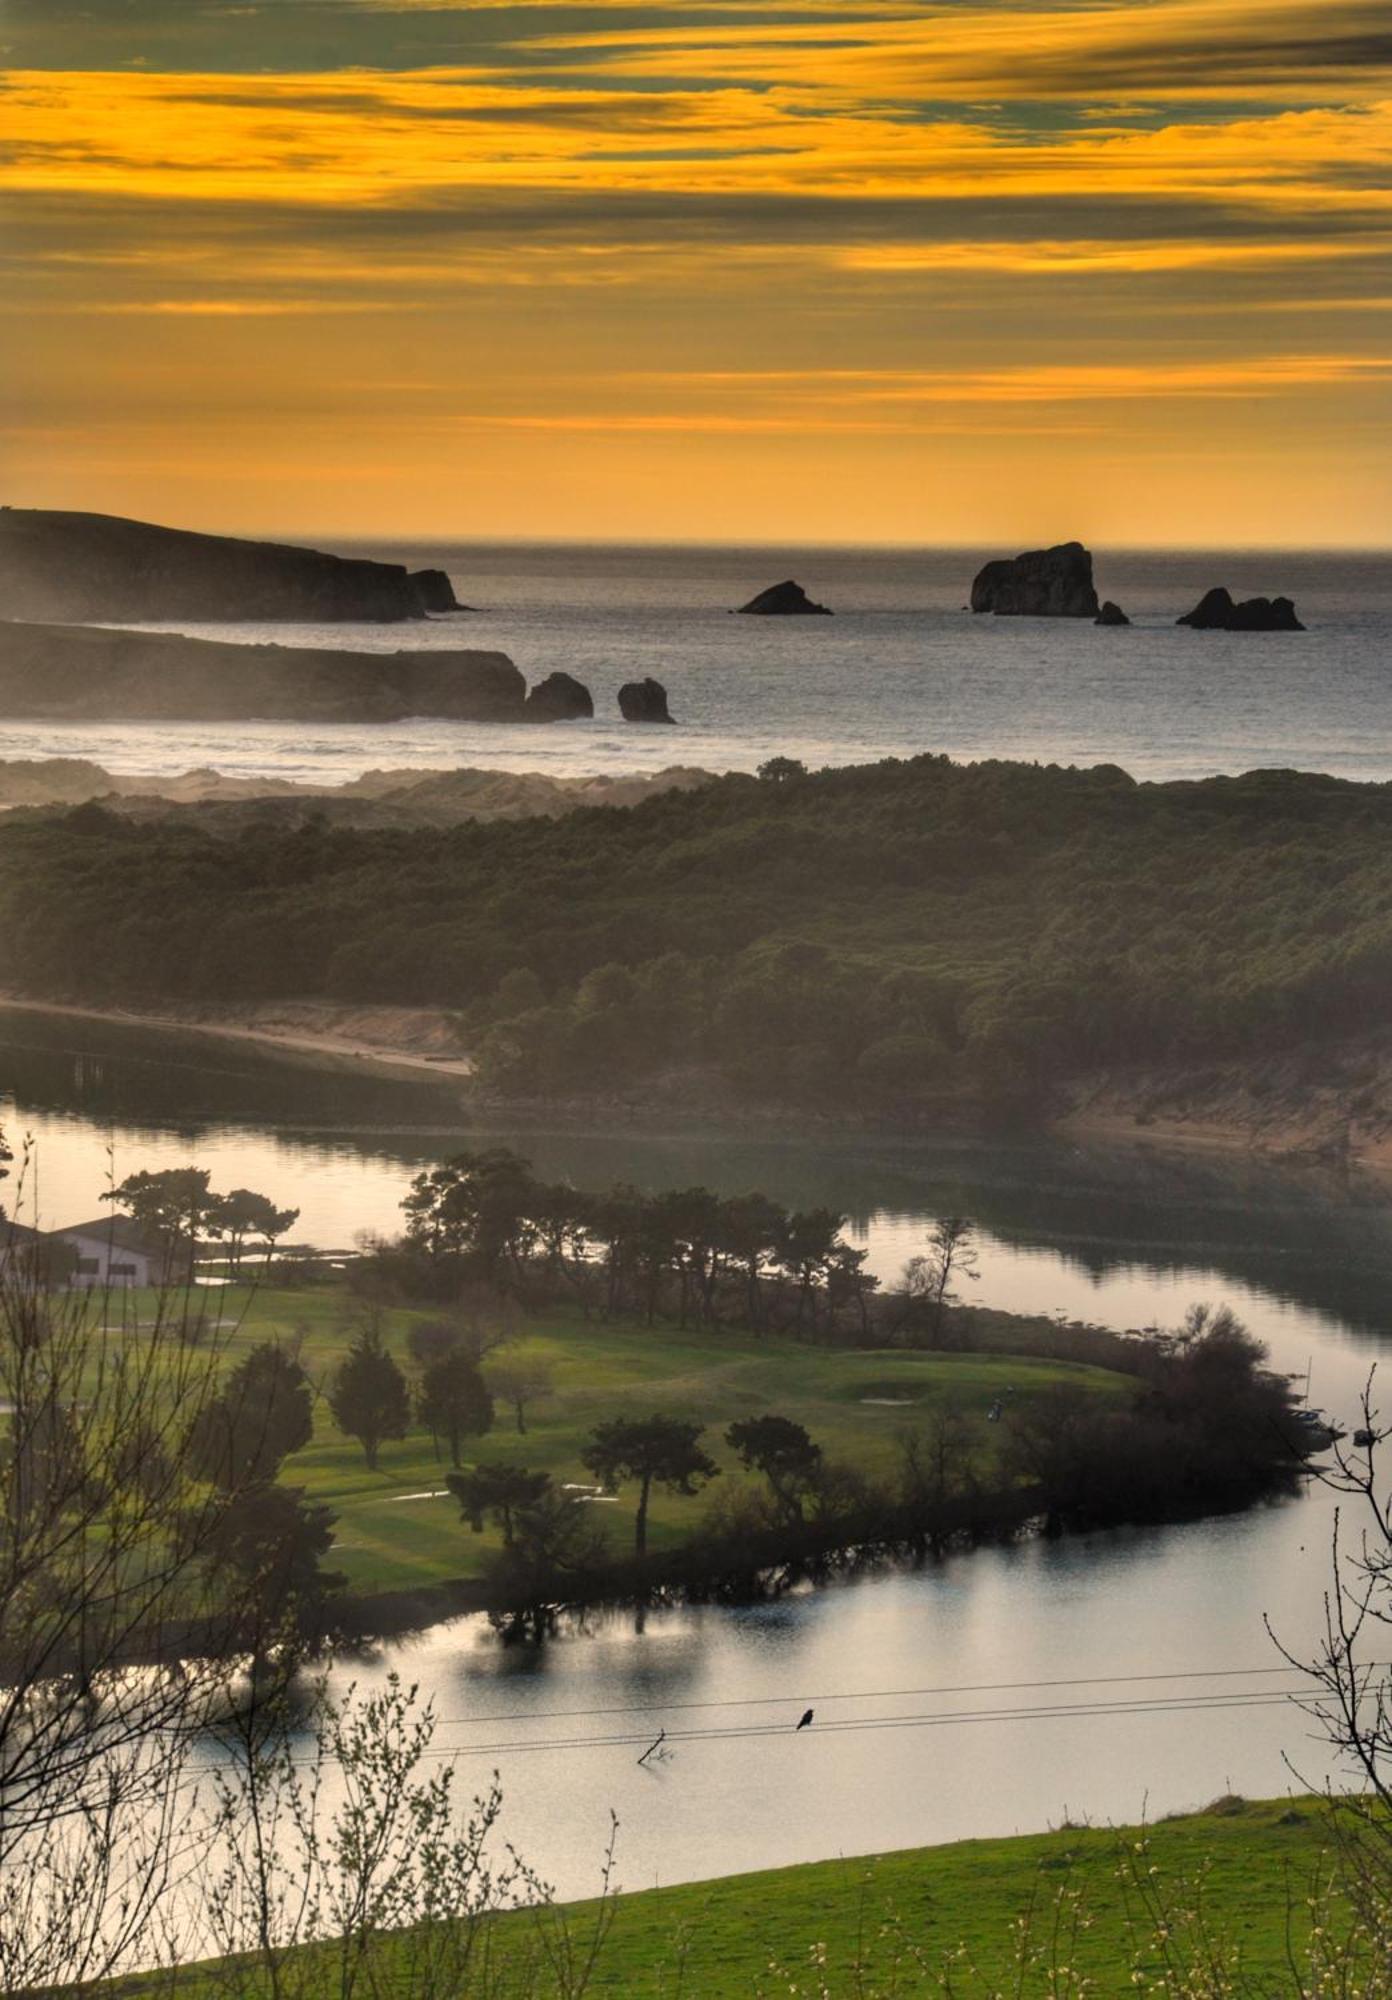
x: 906, y: 933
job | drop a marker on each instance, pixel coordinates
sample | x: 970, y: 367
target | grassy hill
x: 1232, y: 1884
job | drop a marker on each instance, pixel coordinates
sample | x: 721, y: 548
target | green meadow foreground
x: 399, y: 1529
x: 1233, y: 1884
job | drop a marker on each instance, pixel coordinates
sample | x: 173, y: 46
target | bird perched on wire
x: 807, y: 1717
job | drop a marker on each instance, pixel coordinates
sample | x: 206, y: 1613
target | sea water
x: 899, y: 669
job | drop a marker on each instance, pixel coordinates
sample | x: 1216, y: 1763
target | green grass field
x: 1232, y: 1885
x: 397, y: 1528
x: 1244, y: 1870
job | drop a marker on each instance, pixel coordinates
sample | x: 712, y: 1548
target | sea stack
x: 559, y: 698
x: 1111, y: 614
x: 1042, y: 583
x: 644, y: 701
x: 79, y: 569
x: 785, y: 600
x: 1217, y: 611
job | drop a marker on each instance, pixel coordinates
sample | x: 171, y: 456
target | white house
x: 111, y: 1251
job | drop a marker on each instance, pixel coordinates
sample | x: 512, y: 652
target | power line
x: 1220, y: 1702
x: 1178, y: 1705
x: 860, y: 1694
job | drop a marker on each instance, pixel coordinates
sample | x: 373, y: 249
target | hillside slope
x: 902, y: 940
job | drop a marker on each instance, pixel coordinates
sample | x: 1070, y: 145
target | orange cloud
x: 786, y: 250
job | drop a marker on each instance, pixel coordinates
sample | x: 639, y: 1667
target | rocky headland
x: 92, y: 674
x: 1042, y: 583
x: 71, y: 568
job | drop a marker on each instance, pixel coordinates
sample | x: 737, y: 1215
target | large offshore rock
x: 785, y: 600
x: 1043, y: 583
x: 86, y: 673
x: 1217, y: 611
x: 85, y: 568
x: 559, y: 698
x: 644, y: 701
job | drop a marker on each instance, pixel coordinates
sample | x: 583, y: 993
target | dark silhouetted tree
x: 368, y: 1396
x: 172, y: 1206
x: 499, y: 1493
x: 272, y: 1537
x: 454, y: 1400
x: 243, y: 1213
x: 262, y: 1413
x: 930, y: 1280
x: 519, y: 1383
x: 654, y: 1451
x: 782, y: 1451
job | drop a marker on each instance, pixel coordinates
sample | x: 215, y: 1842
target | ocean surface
x: 899, y: 669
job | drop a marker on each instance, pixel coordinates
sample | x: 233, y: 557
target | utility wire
x: 1220, y: 1702
x: 1181, y: 1705
x: 860, y: 1694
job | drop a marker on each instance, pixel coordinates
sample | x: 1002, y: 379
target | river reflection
x: 1102, y: 1675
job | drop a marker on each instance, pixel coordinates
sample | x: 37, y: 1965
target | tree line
x: 687, y: 1254
x: 180, y: 1212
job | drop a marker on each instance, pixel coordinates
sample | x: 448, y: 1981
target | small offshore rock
x: 644, y: 701
x: 785, y: 600
x: 559, y: 698
x: 1042, y: 583
x: 1112, y: 614
x: 1217, y: 611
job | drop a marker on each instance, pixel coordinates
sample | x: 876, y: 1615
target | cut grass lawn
x: 1234, y: 1882
x: 398, y: 1530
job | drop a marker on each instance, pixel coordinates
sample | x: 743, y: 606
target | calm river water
x: 1100, y: 1676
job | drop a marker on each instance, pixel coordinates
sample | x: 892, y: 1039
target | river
x: 1101, y: 1676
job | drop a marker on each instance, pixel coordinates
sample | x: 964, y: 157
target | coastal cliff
x: 77, y: 568
x: 93, y: 674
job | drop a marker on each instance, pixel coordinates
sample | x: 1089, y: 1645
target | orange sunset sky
x: 842, y: 269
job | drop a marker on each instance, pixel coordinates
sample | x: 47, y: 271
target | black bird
x: 805, y: 1720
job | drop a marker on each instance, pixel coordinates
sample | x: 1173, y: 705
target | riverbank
x: 1331, y: 1105
x: 421, y: 1043
x: 987, y: 1910
x: 1272, y: 1112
